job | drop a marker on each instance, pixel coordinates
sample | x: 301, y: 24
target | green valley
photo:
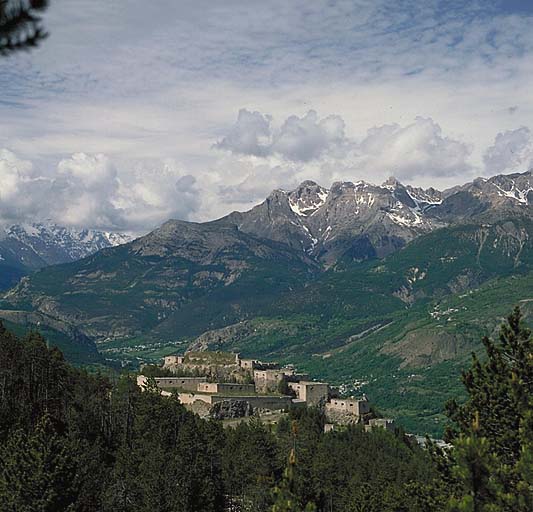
x: 399, y: 328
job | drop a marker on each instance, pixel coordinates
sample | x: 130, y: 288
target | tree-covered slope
x: 128, y: 290
x: 77, y: 349
x: 74, y: 441
x: 381, y: 321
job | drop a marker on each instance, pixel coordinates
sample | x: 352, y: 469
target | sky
x: 134, y: 112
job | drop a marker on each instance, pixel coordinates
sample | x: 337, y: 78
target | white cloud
x: 250, y: 135
x: 435, y: 84
x: 89, y: 191
x: 21, y: 189
x: 155, y: 191
x: 419, y: 149
x: 96, y: 190
x: 298, y: 139
x: 256, y: 181
x: 512, y: 151
x: 13, y: 174
x: 90, y: 171
x: 306, y: 138
x: 311, y: 148
x: 84, y: 192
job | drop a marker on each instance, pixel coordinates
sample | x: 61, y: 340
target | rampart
x: 355, y: 406
x: 185, y: 383
x: 273, y: 403
x: 225, y: 387
x: 314, y: 393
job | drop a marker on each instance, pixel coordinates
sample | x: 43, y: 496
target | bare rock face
x: 354, y: 220
x: 306, y: 199
x: 160, y: 282
x: 37, y: 245
x: 273, y: 219
x: 487, y: 197
x: 423, y: 348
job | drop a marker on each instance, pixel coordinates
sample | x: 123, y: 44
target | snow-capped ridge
x: 402, y: 205
x: 307, y: 198
x: 503, y: 189
x: 37, y: 244
x: 518, y: 187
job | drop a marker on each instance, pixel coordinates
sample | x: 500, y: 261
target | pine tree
x: 476, y: 468
x: 493, y: 430
x: 21, y: 24
x: 286, y: 499
x: 38, y: 472
x: 524, y: 495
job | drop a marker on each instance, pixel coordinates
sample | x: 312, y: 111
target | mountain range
x: 382, y: 288
x: 31, y: 246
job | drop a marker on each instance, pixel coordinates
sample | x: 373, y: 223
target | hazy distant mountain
x: 306, y: 230
x: 27, y: 247
x: 357, y: 281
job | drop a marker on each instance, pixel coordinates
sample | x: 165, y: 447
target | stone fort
x: 263, y: 386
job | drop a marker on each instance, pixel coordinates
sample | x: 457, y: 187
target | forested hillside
x: 74, y: 441
x: 383, y: 288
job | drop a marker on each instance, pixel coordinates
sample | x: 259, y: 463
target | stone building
x: 313, y: 393
x: 354, y: 406
x: 225, y: 387
x: 172, y: 361
x: 184, y: 383
x: 248, y: 364
x: 268, y: 380
x: 385, y: 423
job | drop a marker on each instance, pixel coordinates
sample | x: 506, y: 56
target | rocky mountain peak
x: 324, y: 224
x: 392, y: 183
x: 307, y: 198
x: 517, y: 187
x: 306, y: 184
x: 342, y: 187
x: 30, y: 246
x: 488, y: 197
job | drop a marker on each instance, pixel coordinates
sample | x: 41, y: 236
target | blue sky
x: 128, y: 115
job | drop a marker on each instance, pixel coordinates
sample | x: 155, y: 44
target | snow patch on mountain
x: 307, y: 198
x: 48, y: 244
x: 521, y: 195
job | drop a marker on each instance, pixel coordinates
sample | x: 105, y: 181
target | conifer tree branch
x: 21, y: 25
